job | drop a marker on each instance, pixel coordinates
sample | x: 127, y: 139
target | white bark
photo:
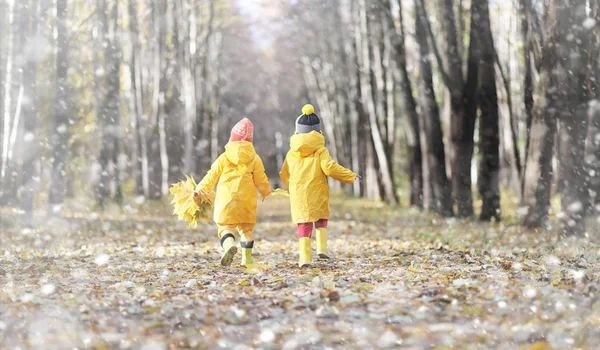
x: 7, y: 89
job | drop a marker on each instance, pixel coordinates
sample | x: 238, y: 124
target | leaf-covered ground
x: 400, y: 279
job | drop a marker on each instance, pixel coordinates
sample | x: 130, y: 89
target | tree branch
x: 511, y: 113
x: 422, y: 12
x: 76, y: 30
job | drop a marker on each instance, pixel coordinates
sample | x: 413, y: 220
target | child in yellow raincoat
x: 239, y: 171
x: 304, y: 173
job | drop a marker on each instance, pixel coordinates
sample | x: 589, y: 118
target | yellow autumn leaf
x: 188, y: 208
x: 279, y: 192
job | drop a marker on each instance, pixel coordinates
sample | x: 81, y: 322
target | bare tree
x: 463, y: 99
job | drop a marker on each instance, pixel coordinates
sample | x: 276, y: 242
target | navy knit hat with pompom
x: 308, y: 121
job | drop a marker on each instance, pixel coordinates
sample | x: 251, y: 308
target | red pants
x: 305, y: 229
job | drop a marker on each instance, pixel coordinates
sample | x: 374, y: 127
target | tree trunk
x: 410, y: 106
x: 186, y: 37
x: 436, y: 156
x: 137, y: 106
x: 463, y: 124
x: 528, y: 78
x: 203, y: 99
x: 155, y: 170
x: 537, y: 176
x: 29, y: 185
x: 592, y: 153
x: 489, y: 131
x: 573, y: 119
x: 60, y: 134
x: 367, y: 97
x: 463, y: 100
x: 5, y: 185
x: 110, y: 112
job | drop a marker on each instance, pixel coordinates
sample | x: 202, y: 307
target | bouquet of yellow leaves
x: 188, y: 206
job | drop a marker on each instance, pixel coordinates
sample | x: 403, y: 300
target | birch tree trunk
x: 110, y: 110
x: 528, y: 77
x: 7, y: 104
x: 60, y: 131
x: 29, y: 184
x: 137, y: 104
x: 367, y: 97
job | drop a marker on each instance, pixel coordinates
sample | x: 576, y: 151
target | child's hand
x: 358, y: 177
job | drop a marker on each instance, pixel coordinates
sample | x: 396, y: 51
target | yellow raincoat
x: 304, y: 173
x: 239, y: 172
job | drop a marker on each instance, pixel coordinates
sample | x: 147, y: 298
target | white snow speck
x: 161, y: 252
x: 191, y: 283
x: 387, y: 340
x: 552, y: 260
x: 61, y: 129
x: 575, y: 207
x: 102, y: 259
x: 522, y: 211
x: 267, y: 336
x: 589, y: 23
x: 47, y: 289
x: 530, y: 292
x: 578, y: 275
x: 28, y: 137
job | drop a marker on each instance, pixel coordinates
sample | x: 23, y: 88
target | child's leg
x: 247, y: 243
x: 321, y: 228
x: 304, y: 240
x: 228, y: 243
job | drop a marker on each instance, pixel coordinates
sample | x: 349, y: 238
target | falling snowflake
x: 589, y: 23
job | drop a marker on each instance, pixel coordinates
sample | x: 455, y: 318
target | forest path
x: 400, y: 278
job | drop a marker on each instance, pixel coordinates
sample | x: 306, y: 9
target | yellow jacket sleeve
x: 332, y: 169
x: 212, y: 176
x: 284, y: 174
x: 261, y: 181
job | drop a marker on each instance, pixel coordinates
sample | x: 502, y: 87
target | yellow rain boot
x: 229, y: 249
x: 322, y: 250
x: 305, y: 251
x: 247, y: 258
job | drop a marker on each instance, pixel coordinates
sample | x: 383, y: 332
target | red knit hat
x: 242, y: 131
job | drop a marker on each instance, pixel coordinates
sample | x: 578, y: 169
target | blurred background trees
x: 438, y: 104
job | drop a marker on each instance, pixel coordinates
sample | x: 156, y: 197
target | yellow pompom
x: 308, y: 110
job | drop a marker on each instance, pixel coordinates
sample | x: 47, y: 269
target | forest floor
x: 400, y: 279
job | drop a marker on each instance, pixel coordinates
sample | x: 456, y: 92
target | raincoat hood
x: 240, y: 152
x: 304, y: 145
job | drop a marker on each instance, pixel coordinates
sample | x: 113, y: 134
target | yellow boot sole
x: 227, y: 257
